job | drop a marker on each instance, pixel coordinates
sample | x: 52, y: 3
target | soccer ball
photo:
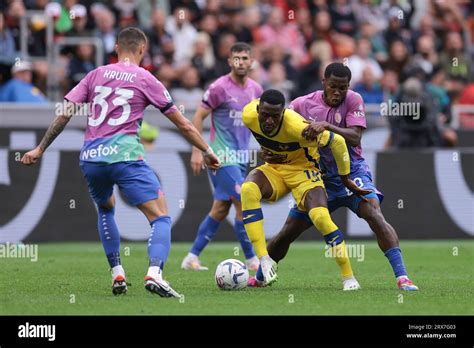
x: 231, y: 274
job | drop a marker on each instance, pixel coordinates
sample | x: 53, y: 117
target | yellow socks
x: 333, y: 237
x: 253, y: 217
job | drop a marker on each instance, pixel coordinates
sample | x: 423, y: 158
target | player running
x: 112, y: 153
x: 341, y: 111
x: 225, y: 99
x: 280, y: 131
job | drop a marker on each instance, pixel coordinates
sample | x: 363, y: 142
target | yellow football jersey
x: 288, y: 140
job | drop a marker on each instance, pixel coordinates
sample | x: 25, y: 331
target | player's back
x: 117, y: 95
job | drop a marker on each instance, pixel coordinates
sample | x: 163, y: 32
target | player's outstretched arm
x: 197, y: 160
x: 54, y: 129
x: 341, y: 155
x: 192, y: 135
x: 352, y: 135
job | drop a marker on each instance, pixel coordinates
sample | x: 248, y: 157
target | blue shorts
x: 227, y: 182
x: 339, y: 196
x: 135, y: 179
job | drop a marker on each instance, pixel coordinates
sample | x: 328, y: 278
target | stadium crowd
x: 404, y: 50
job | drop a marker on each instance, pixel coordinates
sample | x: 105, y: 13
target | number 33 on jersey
x: 118, y: 94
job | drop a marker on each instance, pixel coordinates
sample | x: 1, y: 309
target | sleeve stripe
x: 205, y: 102
x: 166, y: 107
x: 331, y: 137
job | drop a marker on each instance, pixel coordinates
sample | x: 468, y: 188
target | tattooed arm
x: 54, y: 129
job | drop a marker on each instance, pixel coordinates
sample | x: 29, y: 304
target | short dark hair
x: 240, y: 47
x: 337, y: 69
x: 273, y: 97
x: 130, y: 38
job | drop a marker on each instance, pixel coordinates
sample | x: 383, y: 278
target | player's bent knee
x: 322, y: 220
x: 373, y: 215
x: 250, y: 192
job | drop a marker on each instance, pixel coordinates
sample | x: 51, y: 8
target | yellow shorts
x: 297, y: 179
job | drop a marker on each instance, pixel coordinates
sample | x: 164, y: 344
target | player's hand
x: 31, y: 157
x: 312, y: 131
x: 197, y: 161
x: 352, y: 186
x: 212, y: 162
x: 273, y: 158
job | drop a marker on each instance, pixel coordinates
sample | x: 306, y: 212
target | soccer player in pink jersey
x: 225, y: 99
x: 341, y: 111
x: 112, y: 153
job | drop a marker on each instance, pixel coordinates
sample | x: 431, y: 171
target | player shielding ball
x: 225, y: 99
x: 284, y: 132
x: 113, y: 155
x: 340, y: 110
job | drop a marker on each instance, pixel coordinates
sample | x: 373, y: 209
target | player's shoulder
x: 352, y: 97
x: 313, y: 96
x: 292, y: 116
x: 219, y: 83
x: 249, y: 111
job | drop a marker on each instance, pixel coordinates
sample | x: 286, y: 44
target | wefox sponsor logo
x: 37, y: 331
x: 100, y: 151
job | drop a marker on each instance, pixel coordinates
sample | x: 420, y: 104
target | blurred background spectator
x: 20, y: 89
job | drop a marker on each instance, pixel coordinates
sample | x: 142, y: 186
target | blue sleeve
x: 5, y: 93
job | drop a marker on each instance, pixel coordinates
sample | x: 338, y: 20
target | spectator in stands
x: 305, y: 27
x: 20, y: 89
x: 209, y: 25
x: 342, y: 17
x: 188, y: 96
x: 234, y: 24
x: 369, y: 88
x: 389, y: 84
x: 126, y: 12
x: 79, y: 20
x: 426, y: 57
x: 15, y: 10
x: 412, y: 127
x: 379, y: 51
x: 183, y: 33
x: 396, y: 30
x: 193, y: 11
x: 362, y: 59
x: 436, y: 89
x: 106, y: 31
x: 397, y: 57
x: 308, y: 78
x: 426, y: 28
x: 466, y: 119
x: 277, y: 80
x: 286, y: 36
x: 81, y: 64
x: 455, y: 62
x: 157, y: 34
x: 367, y: 12
x: 7, y: 44
x: 222, y: 66
x: 166, y: 74
x: 203, y: 57
x: 276, y: 54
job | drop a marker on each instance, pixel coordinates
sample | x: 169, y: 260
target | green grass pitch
x: 73, y: 279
